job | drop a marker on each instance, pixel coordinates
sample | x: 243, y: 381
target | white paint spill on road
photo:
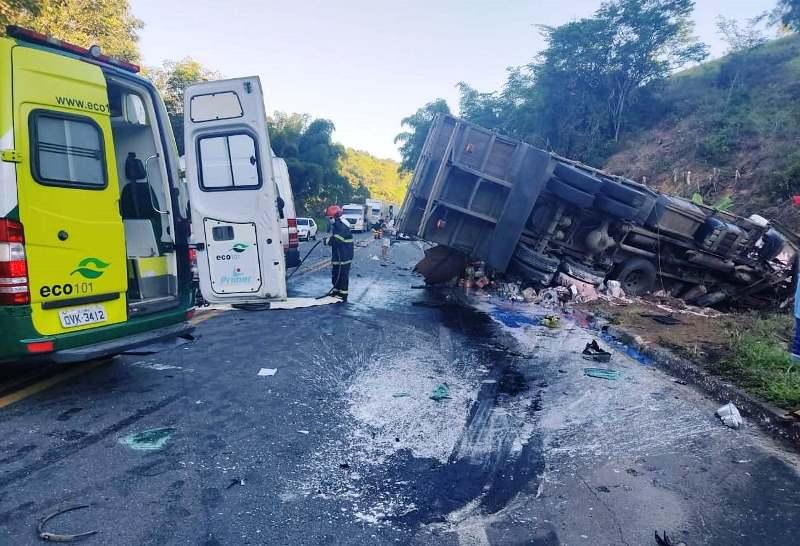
x: 155, y: 366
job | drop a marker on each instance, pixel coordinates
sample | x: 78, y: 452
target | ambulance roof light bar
x: 93, y: 52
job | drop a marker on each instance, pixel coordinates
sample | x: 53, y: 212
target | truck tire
x: 625, y: 194
x: 583, y: 180
x: 616, y: 208
x: 570, y: 194
x: 637, y: 276
x: 527, y: 255
x: 532, y: 274
x: 582, y: 272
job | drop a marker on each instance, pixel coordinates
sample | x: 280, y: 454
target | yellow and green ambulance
x: 97, y: 222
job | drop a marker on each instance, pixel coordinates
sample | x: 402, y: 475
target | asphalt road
x: 343, y: 444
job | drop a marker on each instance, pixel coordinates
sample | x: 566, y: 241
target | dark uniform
x: 341, y: 242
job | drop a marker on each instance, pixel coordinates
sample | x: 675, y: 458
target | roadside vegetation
x: 758, y: 361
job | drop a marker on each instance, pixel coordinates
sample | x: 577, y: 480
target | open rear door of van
x: 235, y: 221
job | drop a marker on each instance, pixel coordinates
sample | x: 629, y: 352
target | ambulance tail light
x: 193, y: 262
x: 294, y: 239
x: 13, y: 267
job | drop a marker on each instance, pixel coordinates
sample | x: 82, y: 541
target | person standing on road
x: 385, y: 242
x: 341, y: 243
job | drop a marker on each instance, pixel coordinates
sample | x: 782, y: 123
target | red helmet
x: 333, y: 211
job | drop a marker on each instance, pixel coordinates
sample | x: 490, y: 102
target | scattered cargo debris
x: 729, y: 414
x: 441, y: 264
x: 148, y: 440
x: 667, y: 541
x: 524, y: 211
x: 55, y: 537
x: 602, y: 373
x: 667, y: 320
x: 441, y: 392
x: 593, y: 351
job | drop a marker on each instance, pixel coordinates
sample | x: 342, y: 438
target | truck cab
x: 94, y: 224
x: 355, y: 216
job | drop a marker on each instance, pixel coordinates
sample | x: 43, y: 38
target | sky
x: 366, y: 64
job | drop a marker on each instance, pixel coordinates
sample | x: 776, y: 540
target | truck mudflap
x: 120, y: 345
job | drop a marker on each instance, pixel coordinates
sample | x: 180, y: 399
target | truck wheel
x: 625, y: 194
x: 532, y: 274
x: 616, y: 208
x: 582, y: 180
x: 527, y: 255
x: 583, y: 273
x: 637, y: 276
x: 570, y: 194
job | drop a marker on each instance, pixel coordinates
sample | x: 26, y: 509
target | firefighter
x: 341, y: 243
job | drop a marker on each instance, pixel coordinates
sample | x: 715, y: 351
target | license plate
x: 80, y: 316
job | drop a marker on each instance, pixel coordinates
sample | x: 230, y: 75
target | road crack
x: 608, y: 508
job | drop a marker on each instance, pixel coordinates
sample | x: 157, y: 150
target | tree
x: 788, y: 11
x: 15, y: 11
x: 574, y: 97
x: 171, y: 79
x: 419, y: 123
x: 380, y: 177
x: 107, y: 23
x: 742, y: 36
x: 649, y: 40
x: 313, y: 161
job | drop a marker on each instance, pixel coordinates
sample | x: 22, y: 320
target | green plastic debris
x: 148, y: 440
x: 441, y: 392
x: 551, y: 321
x: 602, y: 373
x: 400, y: 395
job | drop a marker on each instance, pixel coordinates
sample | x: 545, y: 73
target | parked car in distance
x: 306, y: 229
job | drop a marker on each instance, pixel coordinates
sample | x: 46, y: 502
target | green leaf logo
x: 239, y: 247
x: 91, y: 268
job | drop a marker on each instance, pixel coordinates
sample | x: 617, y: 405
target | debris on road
x: 667, y: 320
x: 551, y: 321
x: 441, y: 264
x: 55, y: 537
x: 400, y: 395
x: 302, y: 303
x: 148, y: 440
x: 666, y: 541
x: 592, y: 351
x: 729, y: 414
x: 267, y: 372
x: 602, y: 373
x: 303, y: 432
x: 234, y: 482
x: 614, y: 289
x: 441, y: 392
x: 529, y: 295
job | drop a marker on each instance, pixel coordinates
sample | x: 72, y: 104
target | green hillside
x: 729, y: 127
x: 380, y: 176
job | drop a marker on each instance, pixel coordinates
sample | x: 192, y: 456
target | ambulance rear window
x: 67, y: 151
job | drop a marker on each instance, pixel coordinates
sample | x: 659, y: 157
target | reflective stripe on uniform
x: 342, y: 239
x: 342, y: 263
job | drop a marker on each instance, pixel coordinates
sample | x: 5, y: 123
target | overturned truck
x: 532, y: 213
